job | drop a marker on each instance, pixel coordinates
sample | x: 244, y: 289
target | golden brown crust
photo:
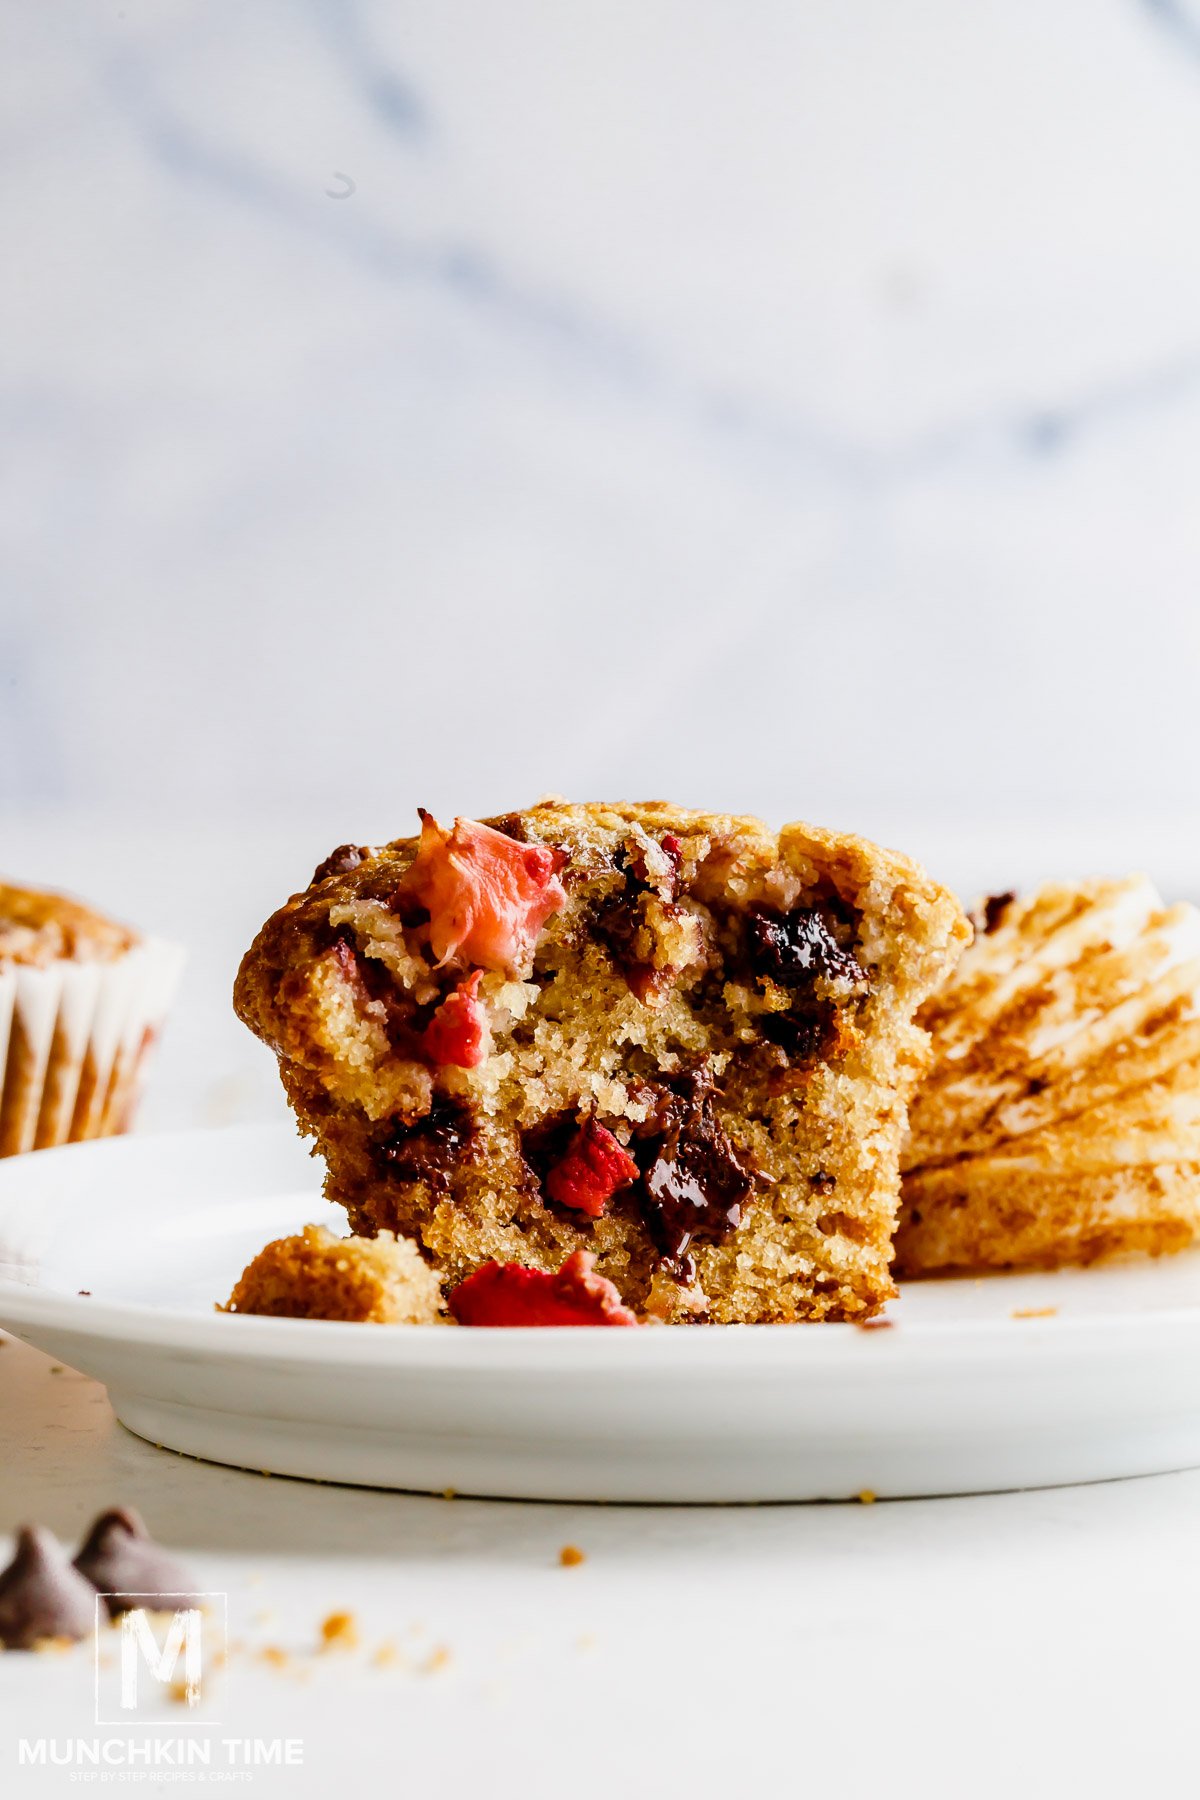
x: 639, y: 980
x: 38, y: 928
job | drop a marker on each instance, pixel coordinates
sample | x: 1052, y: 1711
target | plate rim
x: 28, y: 1304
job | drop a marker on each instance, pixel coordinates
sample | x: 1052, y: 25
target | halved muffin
x: 673, y: 1039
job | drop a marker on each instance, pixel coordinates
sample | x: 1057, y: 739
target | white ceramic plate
x: 960, y: 1396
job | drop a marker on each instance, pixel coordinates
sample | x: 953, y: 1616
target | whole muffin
x: 82, y: 999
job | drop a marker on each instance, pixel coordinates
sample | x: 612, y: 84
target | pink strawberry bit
x: 510, y: 1294
x: 487, y: 895
x: 595, y: 1167
x: 456, y: 1032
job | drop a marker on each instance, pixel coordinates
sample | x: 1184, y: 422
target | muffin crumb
x: 339, y: 1631
x: 382, y: 1280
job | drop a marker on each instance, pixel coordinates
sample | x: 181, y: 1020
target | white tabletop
x: 1035, y: 1642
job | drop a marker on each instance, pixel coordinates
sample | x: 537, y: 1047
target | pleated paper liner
x: 74, y: 1044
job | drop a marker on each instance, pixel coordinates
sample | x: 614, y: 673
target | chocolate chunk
x: 340, y: 862
x: 41, y: 1595
x: 823, y: 1183
x: 693, y: 1186
x: 799, y: 948
x: 545, y: 1144
x: 122, y: 1560
x: 807, y: 1031
x: 430, y: 1149
x: 512, y: 825
x: 991, y: 912
x: 617, y: 925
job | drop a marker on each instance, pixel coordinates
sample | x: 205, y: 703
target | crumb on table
x: 339, y: 1631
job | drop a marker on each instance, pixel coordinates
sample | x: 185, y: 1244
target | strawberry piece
x: 487, y: 895
x: 594, y: 1168
x: 510, y: 1294
x: 456, y: 1031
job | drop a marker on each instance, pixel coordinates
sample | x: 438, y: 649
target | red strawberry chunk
x: 456, y: 1032
x: 510, y: 1294
x: 592, y: 1171
x: 487, y: 895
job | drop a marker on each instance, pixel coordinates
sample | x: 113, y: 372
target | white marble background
x: 794, y: 408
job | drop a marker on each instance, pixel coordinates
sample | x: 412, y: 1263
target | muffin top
x: 37, y: 928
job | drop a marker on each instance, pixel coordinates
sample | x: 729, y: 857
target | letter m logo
x: 165, y: 1658
x: 184, y: 1639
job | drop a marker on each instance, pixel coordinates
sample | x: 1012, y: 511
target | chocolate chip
x: 340, y: 862
x: 122, y: 1560
x: 430, y: 1149
x: 42, y: 1595
x: 822, y: 1182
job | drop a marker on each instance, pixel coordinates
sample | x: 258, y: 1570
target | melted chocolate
x: 429, y: 1150
x: 809, y: 1030
x: 798, y: 948
x: 693, y: 1186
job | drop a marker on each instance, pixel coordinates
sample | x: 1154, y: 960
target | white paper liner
x: 74, y: 1040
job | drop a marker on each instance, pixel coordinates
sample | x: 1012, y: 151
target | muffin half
x: 674, y: 1040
